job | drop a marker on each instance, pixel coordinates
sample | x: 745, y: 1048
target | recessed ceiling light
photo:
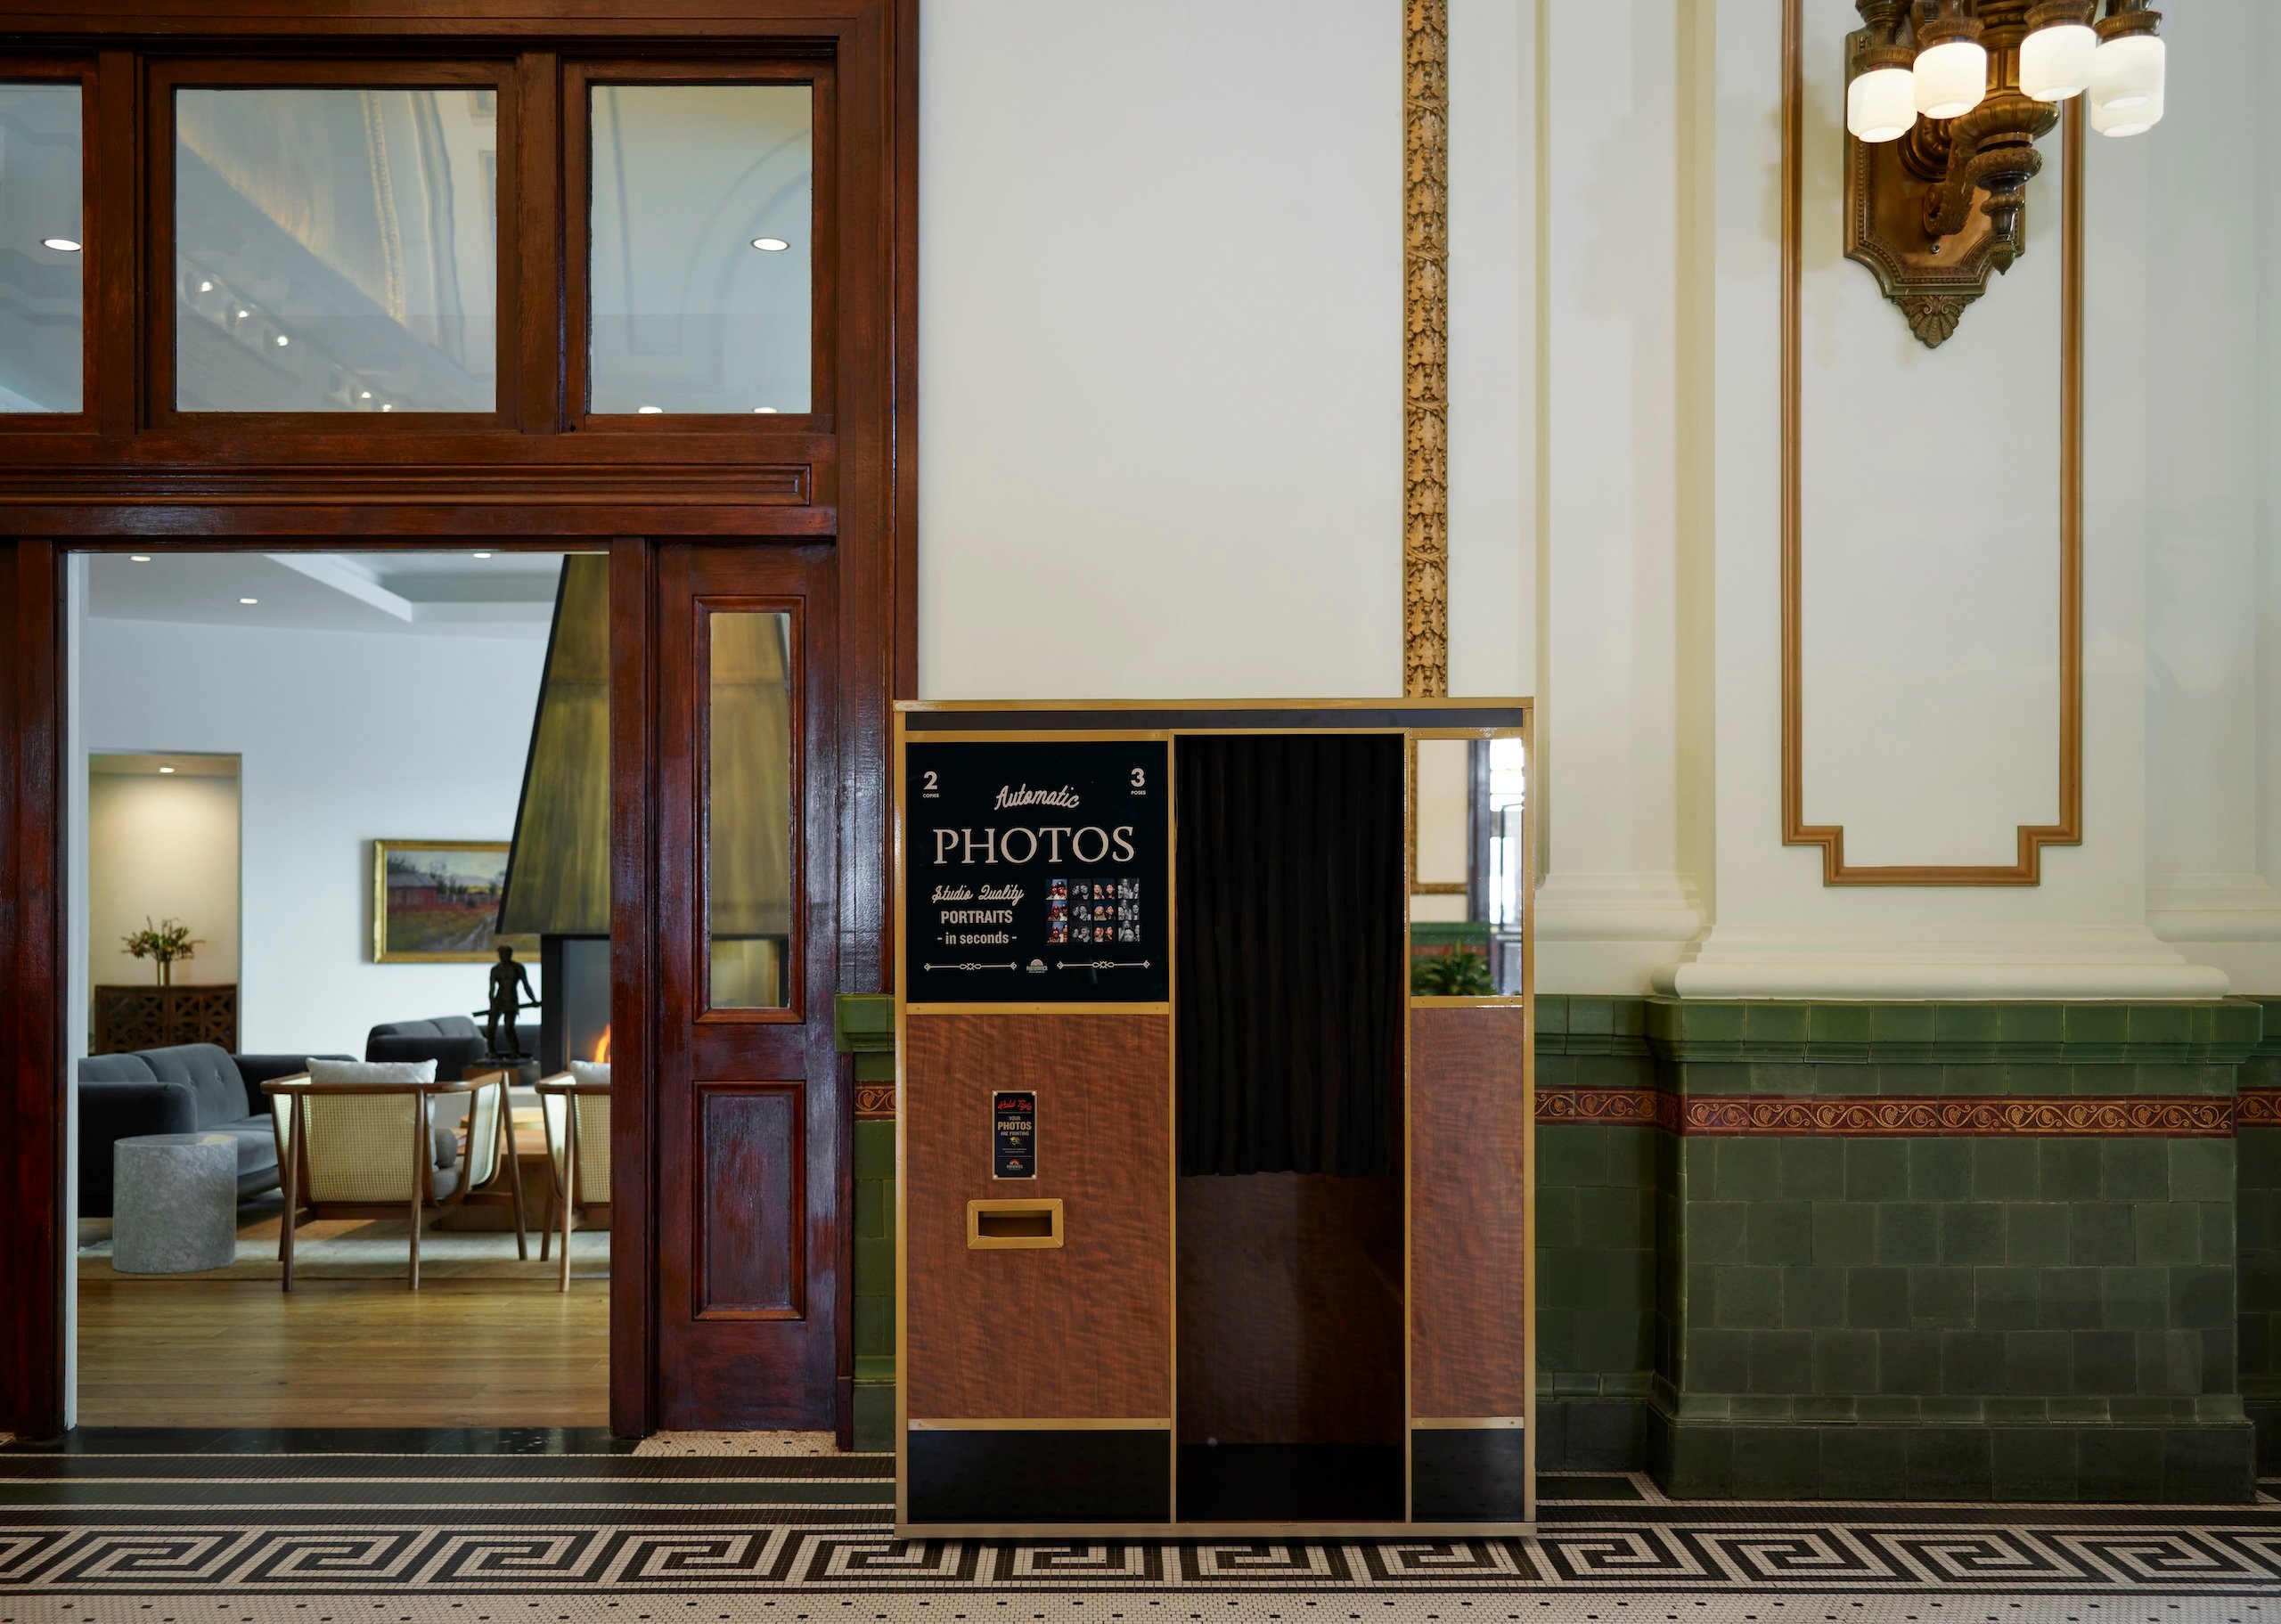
x: 388, y: 406
x: 282, y: 340
x: 482, y: 555
x: 166, y: 769
x: 61, y: 245
x: 242, y: 315
x: 248, y: 601
x: 205, y: 287
x: 764, y: 408
x: 139, y: 557
x: 363, y: 394
x: 649, y: 410
x: 771, y: 245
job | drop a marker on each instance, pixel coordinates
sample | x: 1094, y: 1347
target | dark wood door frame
x: 121, y: 473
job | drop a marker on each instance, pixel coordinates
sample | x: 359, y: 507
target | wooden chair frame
x: 562, y: 1175
x: 293, y: 1158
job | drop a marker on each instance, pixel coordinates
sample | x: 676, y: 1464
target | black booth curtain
x: 1291, y: 984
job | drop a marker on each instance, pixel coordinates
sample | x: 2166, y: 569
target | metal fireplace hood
x: 558, y: 871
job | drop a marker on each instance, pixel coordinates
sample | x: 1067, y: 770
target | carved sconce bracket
x: 1933, y: 214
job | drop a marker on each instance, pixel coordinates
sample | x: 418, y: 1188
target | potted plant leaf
x: 1460, y: 973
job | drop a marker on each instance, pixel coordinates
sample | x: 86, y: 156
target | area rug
x: 359, y: 1249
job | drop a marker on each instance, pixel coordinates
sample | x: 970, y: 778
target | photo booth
x: 1204, y: 1222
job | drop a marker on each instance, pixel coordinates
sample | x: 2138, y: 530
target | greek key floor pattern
x: 564, y: 1529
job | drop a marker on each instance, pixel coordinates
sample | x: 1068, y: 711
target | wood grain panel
x: 1290, y: 1310
x: 755, y: 1146
x: 1468, y: 1210
x: 1081, y: 1330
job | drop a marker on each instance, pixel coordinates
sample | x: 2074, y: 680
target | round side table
x: 174, y: 1203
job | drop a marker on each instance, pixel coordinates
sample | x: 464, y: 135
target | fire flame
x: 601, y: 1048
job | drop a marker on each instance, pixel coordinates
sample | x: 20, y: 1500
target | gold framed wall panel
x: 2026, y: 869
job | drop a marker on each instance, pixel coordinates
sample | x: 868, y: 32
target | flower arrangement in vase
x: 166, y: 942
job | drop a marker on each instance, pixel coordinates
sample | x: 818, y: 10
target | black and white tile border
x: 1751, y: 1553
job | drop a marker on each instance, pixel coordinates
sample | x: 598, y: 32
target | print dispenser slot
x: 1213, y: 1204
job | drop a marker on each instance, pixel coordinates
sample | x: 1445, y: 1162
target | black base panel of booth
x: 1468, y: 1474
x: 1290, y: 1482
x: 1082, y: 1475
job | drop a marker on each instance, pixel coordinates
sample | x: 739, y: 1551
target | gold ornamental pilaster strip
x: 1426, y: 350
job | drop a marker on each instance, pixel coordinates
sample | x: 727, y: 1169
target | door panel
x: 752, y: 1116
x: 749, y: 1222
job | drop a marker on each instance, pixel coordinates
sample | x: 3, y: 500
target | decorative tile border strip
x: 2127, y: 1116
x: 2254, y: 1108
x: 1890, y: 1116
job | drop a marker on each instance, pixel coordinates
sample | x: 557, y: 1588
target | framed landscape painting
x: 437, y: 901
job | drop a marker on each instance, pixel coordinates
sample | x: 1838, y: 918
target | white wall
x: 1160, y: 290
x: 343, y: 740
x: 162, y: 847
x: 1160, y: 331
x: 2214, y: 532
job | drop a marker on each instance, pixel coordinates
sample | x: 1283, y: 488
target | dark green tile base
x: 874, y: 1415
x: 2265, y: 1415
x: 2205, y: 1464
x: 1592, y: 1434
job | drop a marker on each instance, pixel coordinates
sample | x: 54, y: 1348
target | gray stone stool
x: 174, y: 1203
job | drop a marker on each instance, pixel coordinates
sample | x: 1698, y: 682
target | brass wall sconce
x: 1944, y: 103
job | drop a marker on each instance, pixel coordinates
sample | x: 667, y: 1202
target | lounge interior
x: 324, y: 792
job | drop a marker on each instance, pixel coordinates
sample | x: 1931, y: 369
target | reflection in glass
x: 700, y: 271
x: 41, y: 263
x: 336, y: 250
x: 1506, y: 793
x: 749, y: 810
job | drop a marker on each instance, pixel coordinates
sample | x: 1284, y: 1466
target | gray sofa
x: 453, y: 1041
x: 192, y: 1088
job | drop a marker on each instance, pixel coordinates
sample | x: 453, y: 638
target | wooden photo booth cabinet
x: 1205, y: 1223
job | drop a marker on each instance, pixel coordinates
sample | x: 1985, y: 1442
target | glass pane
x: 1508, y: 795
x: 699, y: 283
x: 336, y: 250
x: 749, y: 810
x: 40, y: 259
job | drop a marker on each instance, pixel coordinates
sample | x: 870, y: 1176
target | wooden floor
x: 342, y: 1353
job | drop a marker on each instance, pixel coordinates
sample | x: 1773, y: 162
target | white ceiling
x: 406, y: 592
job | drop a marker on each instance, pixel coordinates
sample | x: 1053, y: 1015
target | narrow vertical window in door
x: 751, y: 765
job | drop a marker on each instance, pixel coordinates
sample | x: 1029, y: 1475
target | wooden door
x: 751, y: 1120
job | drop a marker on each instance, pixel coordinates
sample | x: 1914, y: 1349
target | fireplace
x: 574, y: 1017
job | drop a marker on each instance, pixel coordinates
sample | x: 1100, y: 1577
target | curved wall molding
x: 2027, y: 869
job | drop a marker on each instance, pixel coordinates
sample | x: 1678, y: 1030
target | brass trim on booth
x: 1525, y: 729
x: 1309, y: 1532
x: 1047, y: 1208
x: 1072, y: 1008
x: 1464, y: 1424
x: 1419, y: 702
x: 1041, y: 1424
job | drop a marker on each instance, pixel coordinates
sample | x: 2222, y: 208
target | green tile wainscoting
x: 1956, y: 1251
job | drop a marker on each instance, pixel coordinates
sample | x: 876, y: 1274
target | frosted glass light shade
x: 2127, y: 72
x: 2056, y: 62
x: 1951, y: 78
x: 2121, y: 121
x: 1880, y: 104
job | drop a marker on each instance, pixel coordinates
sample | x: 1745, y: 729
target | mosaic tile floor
x: 530, y: 1526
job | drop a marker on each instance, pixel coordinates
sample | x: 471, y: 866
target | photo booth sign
x: 1037, y: 871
